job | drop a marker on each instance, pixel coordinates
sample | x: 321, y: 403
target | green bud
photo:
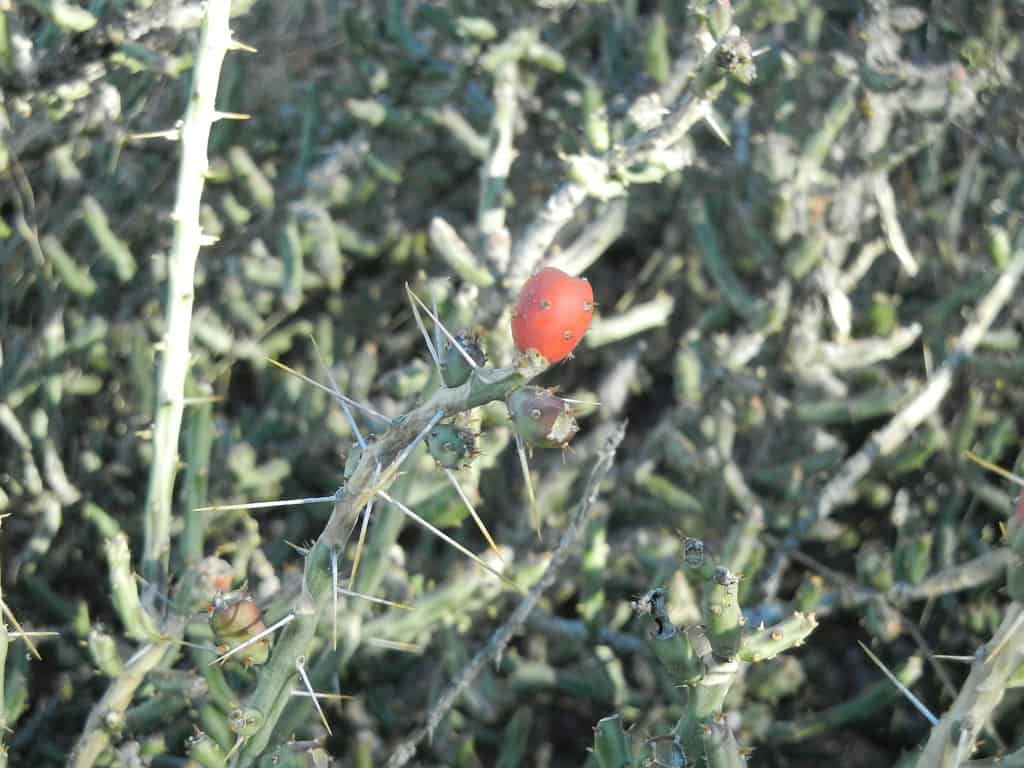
x: 455, y: 369
x: 451, y: 446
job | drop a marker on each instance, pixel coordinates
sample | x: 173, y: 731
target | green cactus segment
x: 245, y: 722
x: 455, y: 369
x: 722, y: 613
x: 204, y: 751
x: 541, y: 417
x: 720, y: 747
x: 611, y: 744
x: 452, y: 447
x: 768, y: 643
x: 669, y: 643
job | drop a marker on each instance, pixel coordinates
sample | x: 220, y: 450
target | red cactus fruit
x: 553, y: 312
x: 541, y: 417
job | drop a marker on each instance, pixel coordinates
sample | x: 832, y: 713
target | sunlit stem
x: 254, y: 639
x: 362, y: 532
x: 372, y: 599
x: 300, y: 664
x: 338, y: 396
x: 24, y: 635
x: 265, y: 504
x: 918, y: 705
x: 444, y: 537
x: 327, y: 696
x: 476, y: 518
x: 328, y: 390
x: 455, y: 342
x: 423, y: 330
x: 524, y: 464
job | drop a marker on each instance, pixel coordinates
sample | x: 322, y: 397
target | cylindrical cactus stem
x: 720, y: 747
x: 722, y: 613
x: 769, y: 642
x: 455, y: 369
x: 451, y: 447
x: 611, y: 744
x: 204, y: 751
x: 541, y: 417
x: 704, y: 705
x: 669, y: 643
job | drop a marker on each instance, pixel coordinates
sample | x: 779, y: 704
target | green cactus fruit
x: 234, y: 619
x: 541, y: 417
x: 455, y: 369
x: 451, y: 446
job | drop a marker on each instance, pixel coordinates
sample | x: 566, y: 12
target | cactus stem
x: 918, y: 704
x: 328, y: 390
x: 525, y: 466
x: 266, y: 504
x: 446, y: 538
x: 472, y: 511
x: 300, y: 665
x: 437, y: 322
x: 360, y: 441
x: 254, y: 639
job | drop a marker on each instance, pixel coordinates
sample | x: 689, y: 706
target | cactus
x: 455, y: 369
x: 542, y: 418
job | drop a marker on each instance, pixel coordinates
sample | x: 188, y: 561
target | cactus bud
x: 236, y: 618
x: 553, y: 312
x: 455, y: 369
x: 541, y: 417
x: 451, y: 446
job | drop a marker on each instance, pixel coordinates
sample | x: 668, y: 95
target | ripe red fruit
x: 553, y: 312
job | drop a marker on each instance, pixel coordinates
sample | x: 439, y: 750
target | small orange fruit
x: 553, y: 312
